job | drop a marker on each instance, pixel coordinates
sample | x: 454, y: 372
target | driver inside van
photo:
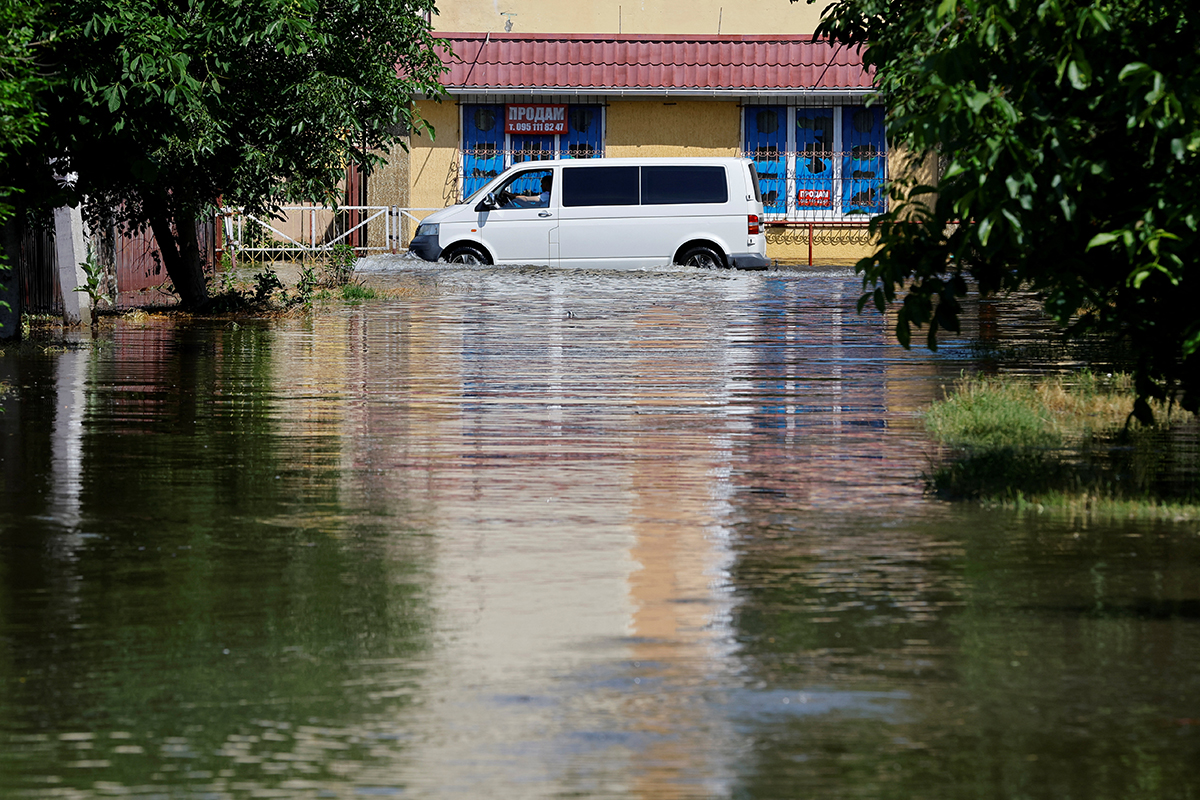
x: 540, y: 200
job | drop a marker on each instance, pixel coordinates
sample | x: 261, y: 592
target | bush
x: 339, y: 265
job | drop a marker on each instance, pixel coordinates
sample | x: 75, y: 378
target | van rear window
x: 683, y: 184
x: 600, y: 186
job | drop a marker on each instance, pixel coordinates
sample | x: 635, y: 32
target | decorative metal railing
x: 818, y: 184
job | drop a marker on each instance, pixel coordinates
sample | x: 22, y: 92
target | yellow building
x: 529, y: 79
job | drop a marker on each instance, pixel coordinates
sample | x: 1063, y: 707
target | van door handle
x: 545, y: 214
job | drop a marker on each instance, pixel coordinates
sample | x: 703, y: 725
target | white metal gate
x: 311, y: 229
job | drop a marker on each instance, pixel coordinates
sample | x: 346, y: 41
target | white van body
x: 608, y: 213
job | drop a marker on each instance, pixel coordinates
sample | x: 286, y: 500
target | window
x: 668, y: 185
x: 488, y: 149
x: 527, y: 189
x: 483, y: 146
x: 631, y: 186
x: 826, y: 163
x: 754, y: 182
x: 600, y: 186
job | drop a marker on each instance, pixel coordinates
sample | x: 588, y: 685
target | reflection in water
x: 545, y: 534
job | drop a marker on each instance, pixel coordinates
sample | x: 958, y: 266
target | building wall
x: 433, y: 161
x: 633, y: 128
x: 628, y: 16
x: 921, y: 169
x: 389, y: 185
x: 684, y: 128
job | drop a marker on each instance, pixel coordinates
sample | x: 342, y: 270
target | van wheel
x: 467, y: 254
x: 702, y: 256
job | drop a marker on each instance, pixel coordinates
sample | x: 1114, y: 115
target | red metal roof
x: 604, y: 64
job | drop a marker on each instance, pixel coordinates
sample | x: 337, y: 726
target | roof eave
x: 608, y: 91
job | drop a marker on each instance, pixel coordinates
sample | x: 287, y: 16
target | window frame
x: 839, y: 154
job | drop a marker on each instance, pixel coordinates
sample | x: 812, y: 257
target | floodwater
x: 542, y: 534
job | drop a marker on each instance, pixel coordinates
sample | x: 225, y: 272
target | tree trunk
x: 180, y: 250
x: 189, y: 255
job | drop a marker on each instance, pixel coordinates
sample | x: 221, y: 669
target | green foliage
x: 1010, y: 439
x: 352, y: 292
x: 306, y: 285
x: 22, y: 78
x: 1069, y: 133
x: 339, y: 264
x: 167, y: 109
x: 266, y: 283
x: 228, y: 279
x: 992, y: 416
x: 95, y: 281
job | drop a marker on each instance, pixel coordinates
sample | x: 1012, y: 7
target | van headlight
x: 428, y: 229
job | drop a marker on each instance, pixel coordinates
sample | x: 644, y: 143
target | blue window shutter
x: 766, y: 143
x: 483, y: 145
x: 864, y: 160
x: 585, y: 127
x: 814, y: 160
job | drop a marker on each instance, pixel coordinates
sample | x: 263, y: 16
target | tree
x: 1070, y: 134
x: 21, y: 80
x: 164, y: 108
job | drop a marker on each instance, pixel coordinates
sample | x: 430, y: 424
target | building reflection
x: 680, y: 591
x: 585, y: 477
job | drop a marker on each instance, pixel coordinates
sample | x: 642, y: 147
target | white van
x: 612, y: 213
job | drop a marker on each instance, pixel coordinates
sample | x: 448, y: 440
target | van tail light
x: 752, y: 224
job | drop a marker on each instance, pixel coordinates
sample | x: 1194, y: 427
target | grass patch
x: 356, y: 291
x: 1064, y: 442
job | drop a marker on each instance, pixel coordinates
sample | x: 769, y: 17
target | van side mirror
x: 488, y: 203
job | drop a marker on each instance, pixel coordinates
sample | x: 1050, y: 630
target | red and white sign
x: 535, y: 118
x: 814, y: 198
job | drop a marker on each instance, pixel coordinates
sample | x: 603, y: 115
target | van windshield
x: 477, y: 195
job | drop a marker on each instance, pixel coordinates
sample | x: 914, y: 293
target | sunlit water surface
x: 528, y: 533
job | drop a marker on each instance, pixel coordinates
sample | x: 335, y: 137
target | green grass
x: 1065, y: 442
x: 356, y: 291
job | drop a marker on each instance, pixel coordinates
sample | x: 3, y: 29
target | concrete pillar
x: 71, y: 246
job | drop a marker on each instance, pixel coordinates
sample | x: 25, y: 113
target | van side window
x: 754, y: 182
x: 600, y: 186
x: 684, y: 184
x: 528, y: 189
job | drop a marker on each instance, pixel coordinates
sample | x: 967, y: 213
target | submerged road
x: 537, y: 533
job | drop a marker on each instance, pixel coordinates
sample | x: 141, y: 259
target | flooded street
x: 544, y: 534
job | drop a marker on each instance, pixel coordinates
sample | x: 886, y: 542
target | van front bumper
x: 749, y: 261
x: 426, y: 247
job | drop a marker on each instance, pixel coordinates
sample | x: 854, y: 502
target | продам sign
x: 535, y: 118
x: 814, y: 198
